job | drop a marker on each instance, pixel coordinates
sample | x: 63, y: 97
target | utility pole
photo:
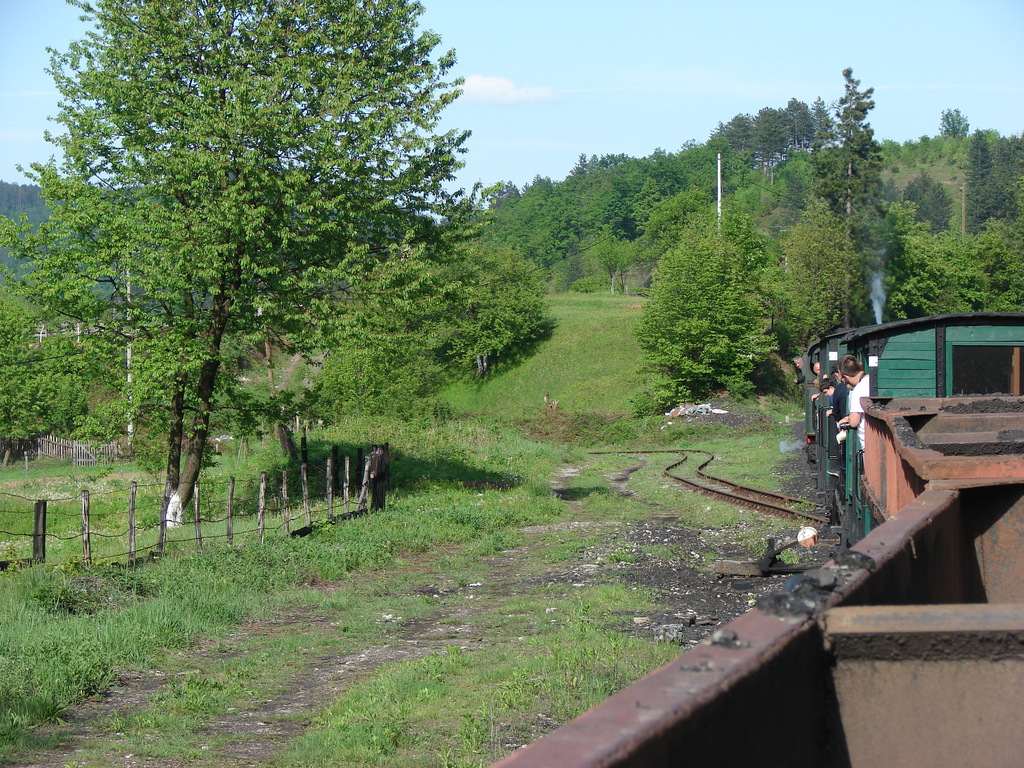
x: 719, y: 192
x: 963, y: 209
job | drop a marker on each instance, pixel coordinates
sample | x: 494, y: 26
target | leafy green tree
x: 614, y: 256
x: 931, y: 274
x: 46, y: 375
x: 820, y: 266
x: 500, y: 307
x: 229, y: 169
x: 953, y: 124
x: 703, y: 329
x: 1000, y: 254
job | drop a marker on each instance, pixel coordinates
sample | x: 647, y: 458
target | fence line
x: 374, y: 487
x: 80, y: 454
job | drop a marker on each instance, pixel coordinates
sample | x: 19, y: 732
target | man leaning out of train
x: 857, y: 379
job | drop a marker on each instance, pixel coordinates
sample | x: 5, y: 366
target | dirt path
x: 691, y: 603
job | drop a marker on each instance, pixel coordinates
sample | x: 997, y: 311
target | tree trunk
x: 193, y: 444
x: 173, y: 508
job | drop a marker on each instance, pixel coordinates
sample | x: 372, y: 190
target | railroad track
x: 776, y: 504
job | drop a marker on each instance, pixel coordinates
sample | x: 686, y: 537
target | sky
x: 549, y: 80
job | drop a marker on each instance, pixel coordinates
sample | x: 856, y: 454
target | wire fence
x: 218, y: 510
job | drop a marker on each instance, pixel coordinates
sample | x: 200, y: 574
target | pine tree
x: 847, y: 165
x: 847, y: 160
x: 980, y: 206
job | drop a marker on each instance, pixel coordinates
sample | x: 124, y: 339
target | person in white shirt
x: 858, y: 381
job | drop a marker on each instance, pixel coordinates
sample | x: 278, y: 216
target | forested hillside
x: 820, y: 225
x: 18, y: 199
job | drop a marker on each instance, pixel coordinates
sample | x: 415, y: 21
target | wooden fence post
x: 261, y: 506
x: 86, y: 543
x: 305, y: 494
x: 364, y: 489
x: 284, y: 501
x: 198, y: 517
x: 162, y: 538
x: 39, y: 533
x: 344, y: 495
x: 132, y: 489
x: 330, y: 488
x: 231, y: 509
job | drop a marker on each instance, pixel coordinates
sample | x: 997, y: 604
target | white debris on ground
x: 690, y: 409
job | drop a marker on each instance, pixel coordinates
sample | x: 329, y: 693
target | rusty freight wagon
x: 907, y: 649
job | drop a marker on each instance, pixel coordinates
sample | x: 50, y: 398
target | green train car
x: 965, y: 354
x: 825, y: 352
x: 977, y: 353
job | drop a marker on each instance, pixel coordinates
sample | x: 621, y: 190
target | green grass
x: 466, y: 490
x: 586, y: 364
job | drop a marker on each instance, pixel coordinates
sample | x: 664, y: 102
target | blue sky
x: 548, y: 80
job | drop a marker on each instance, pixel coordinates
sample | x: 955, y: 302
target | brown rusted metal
x: 929, y: 685
x: 909, y: 444
x: 936, y: 593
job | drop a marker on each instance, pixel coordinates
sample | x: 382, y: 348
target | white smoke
x: 878, y: 295
x: 790, y: 446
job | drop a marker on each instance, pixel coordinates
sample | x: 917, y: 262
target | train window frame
x: 966, y: 361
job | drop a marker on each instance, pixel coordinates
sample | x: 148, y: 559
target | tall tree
x: 801, y: 124
x: 821, y: 118
x: 847, y: 166
x: 771, y: 139
x: 234, y: 168
x: 847, y: 159
x: 953, y: 124
x: 982, y: 193
x: 818, y: 258
x: 703, y: 329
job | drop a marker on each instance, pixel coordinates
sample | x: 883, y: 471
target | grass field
x: 486, y: 652
x: 586, y: 364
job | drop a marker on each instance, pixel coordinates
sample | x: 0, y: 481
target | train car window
x: 985, y: 370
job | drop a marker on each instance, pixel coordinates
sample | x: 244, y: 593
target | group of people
x: 844, y: 387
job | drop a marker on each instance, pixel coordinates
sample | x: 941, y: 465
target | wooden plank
x: 981, y: 334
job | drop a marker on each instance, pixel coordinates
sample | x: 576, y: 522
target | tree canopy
x: 234, y: 170
x: 703, y: 328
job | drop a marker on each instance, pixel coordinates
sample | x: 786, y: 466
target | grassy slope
x: 586, y: 364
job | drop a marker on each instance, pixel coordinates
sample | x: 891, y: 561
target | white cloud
x: 486, y: 89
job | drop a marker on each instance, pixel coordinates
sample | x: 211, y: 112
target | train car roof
x: 835, y: 333
x: 915, y: 323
